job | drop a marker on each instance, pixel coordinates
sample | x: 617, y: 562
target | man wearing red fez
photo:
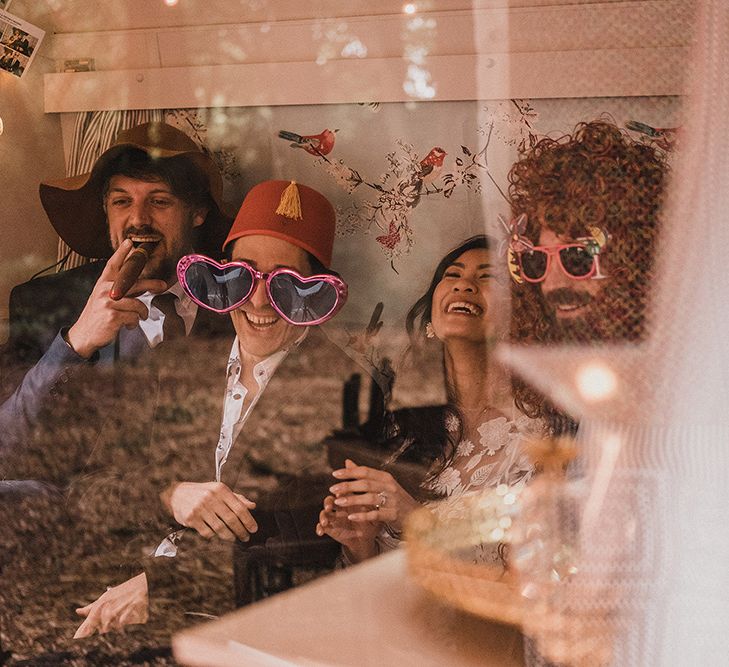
x: 277, y: 287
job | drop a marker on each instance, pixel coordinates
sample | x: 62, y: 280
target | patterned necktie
x: 173, y: 325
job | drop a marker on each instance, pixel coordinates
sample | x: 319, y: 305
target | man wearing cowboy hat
x: 153, y: 185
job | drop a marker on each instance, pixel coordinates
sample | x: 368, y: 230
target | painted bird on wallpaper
x: 431, y: 166
x: 663, y: 137
x: 428, y: 172
x: 316, y: 144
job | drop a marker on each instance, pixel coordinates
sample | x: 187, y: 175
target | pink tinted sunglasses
x: 579, y: 261
x: 302, y: 301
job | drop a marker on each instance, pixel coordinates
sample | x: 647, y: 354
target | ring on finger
x: 382, y: 497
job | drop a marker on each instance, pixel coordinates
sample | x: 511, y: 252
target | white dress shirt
x: 233, y: 416
x: 235, y: 394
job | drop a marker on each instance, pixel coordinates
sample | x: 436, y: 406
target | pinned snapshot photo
x: 19, y: 42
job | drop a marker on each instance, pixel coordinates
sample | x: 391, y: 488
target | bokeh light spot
x: 596, y: 382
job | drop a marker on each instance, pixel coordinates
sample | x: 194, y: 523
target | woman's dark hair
x: 419, y: 444
x: 419, y: 438
x: 421, y: 433
x: 419, y: 315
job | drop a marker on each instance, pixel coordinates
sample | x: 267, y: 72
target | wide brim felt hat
x: 289, y: 211
x: 74, y: 204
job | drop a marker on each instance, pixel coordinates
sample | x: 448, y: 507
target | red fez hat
x: 289, y: 211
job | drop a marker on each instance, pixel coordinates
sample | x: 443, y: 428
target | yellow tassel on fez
x: 290, y: 204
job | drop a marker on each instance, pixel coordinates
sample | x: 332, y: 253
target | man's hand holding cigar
x: 103, y: 316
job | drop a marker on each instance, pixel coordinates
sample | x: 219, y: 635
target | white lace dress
x: 497, y: 457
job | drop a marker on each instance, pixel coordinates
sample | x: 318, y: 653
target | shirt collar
x: 186, y: 307
x: 265, y: 368
x: 152, y: 327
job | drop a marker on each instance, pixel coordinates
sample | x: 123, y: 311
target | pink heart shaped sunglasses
x: 300, y: 300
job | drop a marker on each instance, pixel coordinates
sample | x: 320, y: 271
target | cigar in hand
x: 131, y: 269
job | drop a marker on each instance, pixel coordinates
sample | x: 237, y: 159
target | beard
x: 615, y: 315
x: 164, y: 268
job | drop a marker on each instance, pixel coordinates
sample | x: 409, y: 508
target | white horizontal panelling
x: 76, y: 16
x: 606, y: 73
x: 602, y: 49
x: 132, y: 49
x: 556, y: 28
x: 373, y: 37
x: 439, y: 33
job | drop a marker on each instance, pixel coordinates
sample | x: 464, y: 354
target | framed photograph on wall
x: 19, y: 42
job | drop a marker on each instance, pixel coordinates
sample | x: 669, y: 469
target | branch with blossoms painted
x: 408, y: 179
x: 190, y: 122
x: 510, y: 122
x: 466, y: 171
x: 398, y: 191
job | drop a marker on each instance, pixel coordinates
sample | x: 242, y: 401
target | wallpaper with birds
x: 408, y: 180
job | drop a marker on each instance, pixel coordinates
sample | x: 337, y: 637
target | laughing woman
x: 472, y: 443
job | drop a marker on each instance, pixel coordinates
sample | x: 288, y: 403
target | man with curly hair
x: 585, y: 223
x: 583, y: 254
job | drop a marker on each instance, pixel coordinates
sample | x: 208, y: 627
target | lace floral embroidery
x: 476, y: 466
x: 447, y: 482
x: 495, y: 434
x: 465, y: 447
x: 452, y: 423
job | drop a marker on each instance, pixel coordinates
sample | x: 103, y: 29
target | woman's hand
x: 125, y: 604
x: 358, y: 539
x: 371, y: 495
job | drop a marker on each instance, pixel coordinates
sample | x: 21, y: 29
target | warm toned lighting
x: 409, y: 8
x: 2, y: 127
x: 171, y: 3
x: 596, y: 382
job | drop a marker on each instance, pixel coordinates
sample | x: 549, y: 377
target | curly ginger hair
x: 597, y: 176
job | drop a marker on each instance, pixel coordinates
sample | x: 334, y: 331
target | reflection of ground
x: 50, y: 564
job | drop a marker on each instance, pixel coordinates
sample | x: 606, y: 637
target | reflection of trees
x: 113, y: 436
